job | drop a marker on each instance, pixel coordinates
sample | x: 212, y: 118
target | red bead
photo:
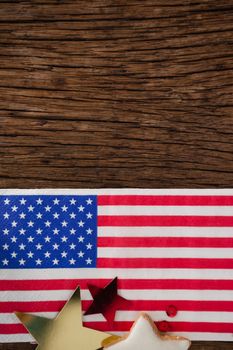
x: 163, y: 326
x: 171, y: 311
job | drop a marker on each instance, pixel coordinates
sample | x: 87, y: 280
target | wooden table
x: 124, y: 93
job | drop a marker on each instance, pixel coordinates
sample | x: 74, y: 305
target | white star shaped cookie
x: 145, y: 336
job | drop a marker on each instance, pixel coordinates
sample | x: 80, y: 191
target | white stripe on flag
x: 11, y: 338
x: 119, y: 191
x: 159, y: 231
x: 16, y: 338
x: 202, y: 274
x: 184, y: 316
x: 166, y: 253
x: 145, y: 294
x: 178, y: 210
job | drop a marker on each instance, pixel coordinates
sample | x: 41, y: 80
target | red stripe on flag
x: 195, y: 284
x: 124, y: 326
x: 184, y: 242
x: 204, y: 221
x: 12, y: 328
x: 164, y: 200
x: 134, y: 305
x: 32, y: 306
x: 165, y: 263
x: 209, y: 327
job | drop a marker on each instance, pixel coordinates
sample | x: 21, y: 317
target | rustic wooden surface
x: 124, y: 93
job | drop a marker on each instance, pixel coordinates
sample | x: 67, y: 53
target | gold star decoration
x: 145, y: 335
x: 66, y: 331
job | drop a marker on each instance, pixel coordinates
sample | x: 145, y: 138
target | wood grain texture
x: 116, y: 94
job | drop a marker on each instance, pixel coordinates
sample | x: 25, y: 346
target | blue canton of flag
x: 48, y: 231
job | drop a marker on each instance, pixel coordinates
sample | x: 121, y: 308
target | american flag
x: 167, y: 248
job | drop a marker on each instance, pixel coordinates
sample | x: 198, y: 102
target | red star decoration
x: 106, y: 300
